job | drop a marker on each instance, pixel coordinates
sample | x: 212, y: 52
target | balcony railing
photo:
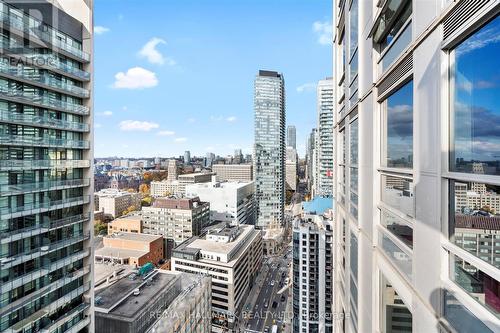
x: 7, y: 262
x: 43, y: 164
x: 65, y: 318
x: 43, y: 100
x: 37, y: 207
x: 45, y: 226
x: 20, y: 72
x: 47, y: 35
x: 28, y: 119
x: 23, y: 140
x: 9, y: 283
x: 41, y: 186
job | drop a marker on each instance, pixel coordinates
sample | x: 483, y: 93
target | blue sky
x: 178, y: 75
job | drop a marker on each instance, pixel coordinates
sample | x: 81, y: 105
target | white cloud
x: 105, y: 113
x: 324, y: 31
x: 136, y: 125
x: 99, y: 30
x: 478, y: 41
x: 179, y: 140
x: 191, y: 120
x: 165, y: 133
x: 216, y: 118
x: 231, y: 119
x: 310, y: 86
x: 154, y: 56
x: 135, y: 78
x: 97, y: 125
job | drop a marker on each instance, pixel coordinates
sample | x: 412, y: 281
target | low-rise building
x: 232, y: 256
x: 233, y: 172
x: 132, y: 249
x: 177, y: 186
x: 129, y: 223
x: 160, y: 301
x: 231, y: 202
x: 114, y: 202
x: 176, y: 219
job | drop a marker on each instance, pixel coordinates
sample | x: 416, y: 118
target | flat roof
x: 133, y: 236
x: 113, y: 252
x: 117, y: 299
x: 197, y: 243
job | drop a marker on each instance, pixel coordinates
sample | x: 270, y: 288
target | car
x: 272, y: 283
x: 266, y: 329
x: 282, y: 298
x: 275, y: 304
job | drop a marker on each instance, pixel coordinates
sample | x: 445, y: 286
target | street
x: 270, y: 306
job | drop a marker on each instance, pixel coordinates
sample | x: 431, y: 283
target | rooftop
x: 112, y: 193
x: 177, y: 203
x: 114, y: 252
x: 118, y: 299
x: 132, y: 236
x: 319, y: 205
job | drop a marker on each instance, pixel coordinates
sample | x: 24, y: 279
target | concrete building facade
x: 232, y: 202
x: 312, y: 281
x: 291, y: 169
x: 114, y: 202
x: 233, y: 172
x: 232, y: 256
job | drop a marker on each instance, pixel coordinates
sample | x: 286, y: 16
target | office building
x: 158, y: 301
x: 176, y: 219
x: 291, y: 169
x: 269, y: 148
x: 46, y: 176
x: 114, y: 202
x: 178, y: 187
x: 417, y: 166
x: 128, y: 223
x: 232, y: 202
x: 233, y: 172
x: 130, y: 248
x: 232, y: 256
x: 312, y: 274
x: 187, y: 157
x: 291, y: 136
x: 172, y: 170
x: 325, y: 135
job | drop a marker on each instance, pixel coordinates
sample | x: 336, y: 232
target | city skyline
x: 180, y: 49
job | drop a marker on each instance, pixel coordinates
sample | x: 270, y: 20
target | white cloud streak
x: 136, y: 125
x: 135, y: 78
x: 151, y: 53
x: 324, y: 32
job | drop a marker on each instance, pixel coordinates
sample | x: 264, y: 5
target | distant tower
x: 187, y: 157
x: 325, y: 136
x: 291, y: 139
x: 172, y: 170
x: 269, y: 148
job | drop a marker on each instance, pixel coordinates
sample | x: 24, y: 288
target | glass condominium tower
x: 269, y: 148
x: 325, y: 138
x: 45, y: 166
x: 417, y: 125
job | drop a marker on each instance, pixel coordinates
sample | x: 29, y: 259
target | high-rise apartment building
x: 269, y: 148
x: 291, y: 136
x: 291, y: 168
x: 46, y: 180
x: 417, y: 166
x: 310, y: 159
x: 312, y: 274
x: 187, y: 157
x: 325, y: 138
x: 172, y: 170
